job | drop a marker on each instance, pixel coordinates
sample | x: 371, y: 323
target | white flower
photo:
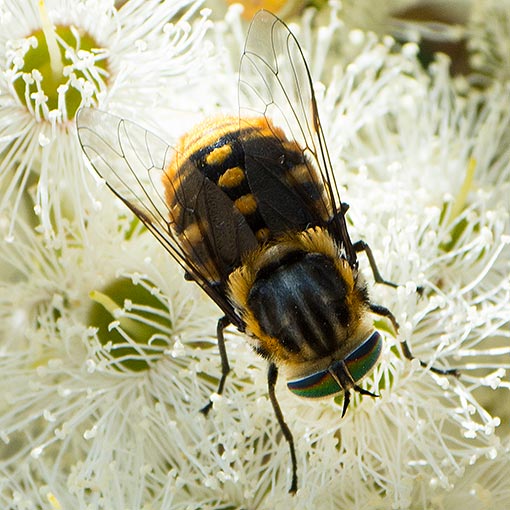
x: 107, y: 354
x: 63, y: 55
x: 84, y: 387
x: 489, y: 26
x: 416, y: 143
x: 473, y: 33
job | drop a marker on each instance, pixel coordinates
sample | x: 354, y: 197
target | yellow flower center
x: 132, y: 322
x: 57, y: 81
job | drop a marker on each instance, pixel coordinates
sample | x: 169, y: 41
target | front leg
x: 404, y: 346
x: 384, y: 312
x: 362, y: 246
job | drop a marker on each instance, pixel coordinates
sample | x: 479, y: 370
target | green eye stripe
x: 359, y: 363
x: 362, y: 360
x: 318, y: 385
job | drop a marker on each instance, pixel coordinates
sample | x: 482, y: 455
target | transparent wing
x: 275, y: 82
x: 134, y: 163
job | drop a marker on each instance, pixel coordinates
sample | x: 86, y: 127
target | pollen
x: 232, y: 178
x: 246, y: 205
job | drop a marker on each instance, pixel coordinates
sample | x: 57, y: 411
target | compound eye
x: 318, y: 385
x: 358, y: 363
x: 361, y: 361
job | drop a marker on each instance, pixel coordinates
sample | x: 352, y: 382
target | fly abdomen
x: 300, y: 301
x: 264, y: 176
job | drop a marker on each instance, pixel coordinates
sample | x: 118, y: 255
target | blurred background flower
x: 107, y: 354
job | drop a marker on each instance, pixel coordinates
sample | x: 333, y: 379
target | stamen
x: 130, y: 326
x: 461, y: 198
x: 56, y: 64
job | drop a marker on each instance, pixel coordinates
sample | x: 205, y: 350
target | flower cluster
x: 107, y: 354
x: 56, y: 58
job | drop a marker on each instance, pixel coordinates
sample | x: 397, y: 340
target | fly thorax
x: 304, y: 309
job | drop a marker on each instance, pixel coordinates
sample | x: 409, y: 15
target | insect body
x: 248, y: 206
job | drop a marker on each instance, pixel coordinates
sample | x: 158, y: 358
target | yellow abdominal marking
x: 231, y: 178
x: 218, y: 156
x: 246, y: 204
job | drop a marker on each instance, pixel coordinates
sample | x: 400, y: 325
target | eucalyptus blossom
x: 108, y: 354
x: 58, y: 56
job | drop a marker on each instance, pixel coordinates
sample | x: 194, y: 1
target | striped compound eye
x: 358, y: 364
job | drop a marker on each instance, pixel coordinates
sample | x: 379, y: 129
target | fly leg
x: 225, y: 367
x: 272, y: 376
x: 362, y: 246
x: 404, y: 346
x: 406, y: 351
x: 382, y: 311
